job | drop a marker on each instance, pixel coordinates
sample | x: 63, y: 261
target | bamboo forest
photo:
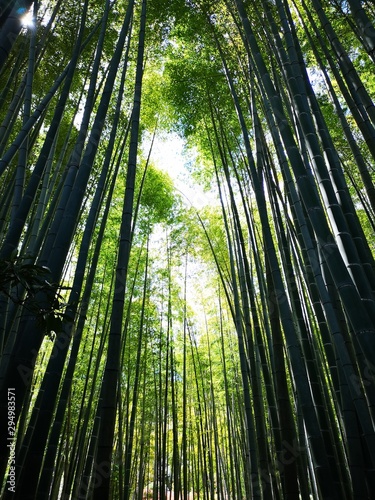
x: 187, y: 249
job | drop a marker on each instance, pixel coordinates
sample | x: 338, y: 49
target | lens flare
x: 27, y: 20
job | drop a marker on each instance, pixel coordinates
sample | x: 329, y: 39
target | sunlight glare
x: 27, y: 20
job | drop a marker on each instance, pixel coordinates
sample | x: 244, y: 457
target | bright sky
x: 168, y: 154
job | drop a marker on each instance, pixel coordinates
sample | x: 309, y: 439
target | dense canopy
x: 199, y: 335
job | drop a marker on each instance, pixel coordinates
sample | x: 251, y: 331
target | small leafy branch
x: 23, y: 283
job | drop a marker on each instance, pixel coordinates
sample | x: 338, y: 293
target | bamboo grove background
x: 158, y: 349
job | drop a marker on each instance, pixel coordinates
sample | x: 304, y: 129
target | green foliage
x: 207, y: 394
x: 22, y: 282
x: 32, y: 277
x: 158, y: 197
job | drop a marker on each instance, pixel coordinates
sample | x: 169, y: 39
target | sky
x: 169, y: 155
